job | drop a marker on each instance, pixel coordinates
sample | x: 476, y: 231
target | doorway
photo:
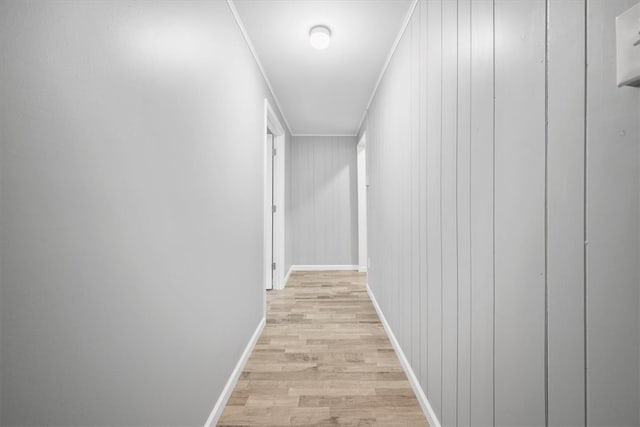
x: 274, y: 200
x: 363, y: 260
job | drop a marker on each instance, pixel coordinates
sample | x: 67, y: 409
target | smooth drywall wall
x: 132, y: 209
x: 324, y: 200
x: 504, y: 212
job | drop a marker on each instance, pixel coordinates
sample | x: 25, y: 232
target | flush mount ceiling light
x: 320, y: 37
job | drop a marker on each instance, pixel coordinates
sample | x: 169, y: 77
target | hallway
x: 323, y: 359
x: 320, y: 212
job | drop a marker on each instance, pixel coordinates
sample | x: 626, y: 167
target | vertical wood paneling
x: 382, y: 193
x: 322, y: 196
x: 397, y: 131
x: 481, y: 171
x: 464, y: 218
x: 303, y: 208
x: 565, y: 214
x: 414, y: 265
x: 404, y: 212
x: 519, y: 213
x: 423, y: 201
x: 496, y: 194
x: 449, y: 213
x: 323, y: 206
x: 613, y: 251
x: 434, y: 223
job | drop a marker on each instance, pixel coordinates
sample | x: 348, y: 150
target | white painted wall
x: 324, y: 200
x: 479, y: 210
x: 565, y: 213
x: 131, y: 166
x: 613, y: 227
x: 362, y: 204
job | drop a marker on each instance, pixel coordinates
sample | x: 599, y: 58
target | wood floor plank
x: 323, y: 359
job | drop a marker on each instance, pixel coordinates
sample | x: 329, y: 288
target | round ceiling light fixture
x: 320, y: 37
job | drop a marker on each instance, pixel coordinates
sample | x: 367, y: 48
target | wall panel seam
x: 546, y: 215
x: 584, y: 218
x: 442, y: 284
x: 493, y: 260
x: 456, y: 209
x: 426, y: 162
x: 470, y: 208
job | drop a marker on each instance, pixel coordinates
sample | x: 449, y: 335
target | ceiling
x: 323, y: 92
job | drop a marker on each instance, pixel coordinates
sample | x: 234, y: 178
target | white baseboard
x: 323, y: 267
x: 286, y: 278
x: 362, y: 269
x: 422, y: 398
x: 216, y: 413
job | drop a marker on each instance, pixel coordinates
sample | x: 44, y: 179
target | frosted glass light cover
x: 320, y: 37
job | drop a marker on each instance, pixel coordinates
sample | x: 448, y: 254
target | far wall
x: 322, y: 213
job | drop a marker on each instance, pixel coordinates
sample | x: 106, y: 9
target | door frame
x: 273, y: 124
x: 363, y: 175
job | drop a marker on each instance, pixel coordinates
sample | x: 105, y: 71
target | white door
x: 274, y: 214
x: 271, y: 224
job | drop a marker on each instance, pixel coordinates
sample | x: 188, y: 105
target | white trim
x: 324, y: 134
x: 218, y: 408
x: 362, y: 269
x: 403, y: 28
x: 286, y: 278
x: 243, y: 30
x: 317, y: 267
x: 422, y: 398
x: 272, y: 122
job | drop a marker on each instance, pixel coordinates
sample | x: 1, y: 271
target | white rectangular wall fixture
x: 628, y: 47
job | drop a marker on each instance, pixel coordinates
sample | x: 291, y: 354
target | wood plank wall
x: 494, y: 154
x: 323, y: 208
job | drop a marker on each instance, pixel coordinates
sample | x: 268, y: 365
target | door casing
x: 274, y: 227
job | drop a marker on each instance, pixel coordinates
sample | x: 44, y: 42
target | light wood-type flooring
x: 323, y: 359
